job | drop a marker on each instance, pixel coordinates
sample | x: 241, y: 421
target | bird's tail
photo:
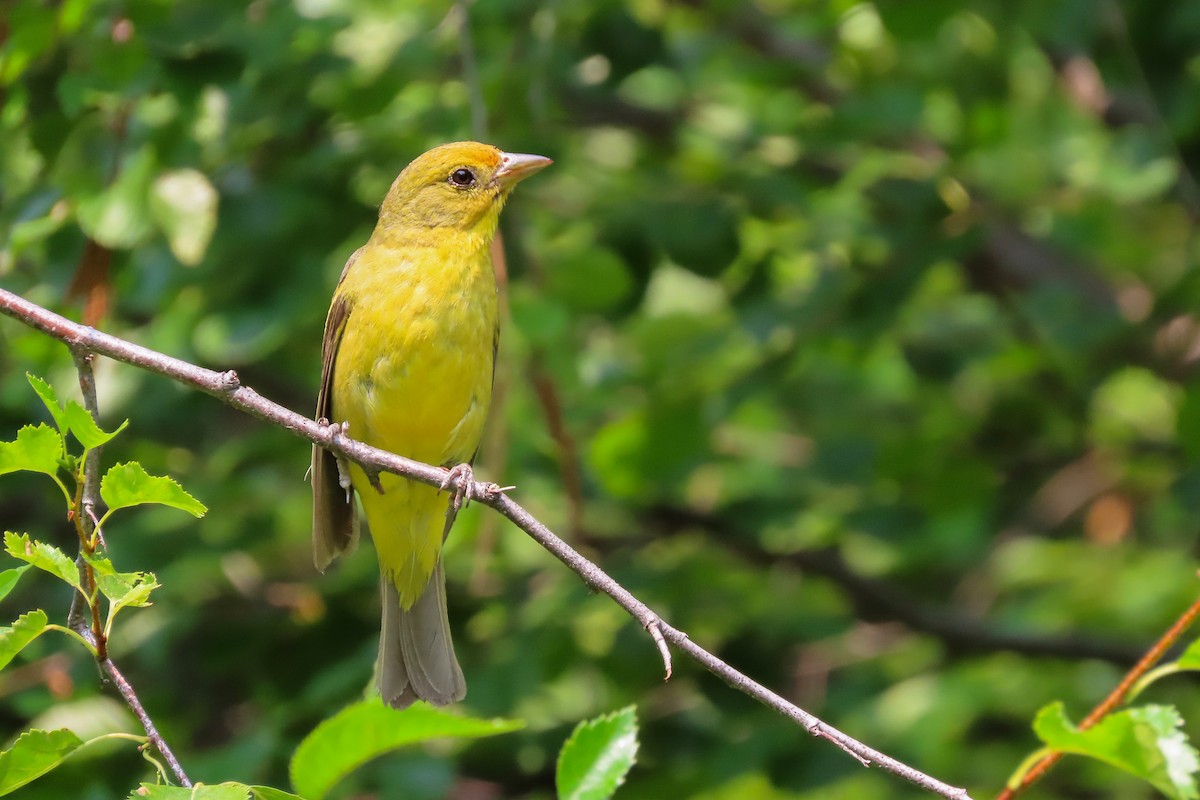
x: 416, y: 653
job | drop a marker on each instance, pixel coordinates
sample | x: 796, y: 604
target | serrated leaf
x: 184, y: 204
x: 16, y: 638
x: 126, y: 485
x: 37, y: 448
x: 122, y: 588
x: 85, y: 429
x: 32, y: 755
x: 1145, y: 741
x: 43, y: 556
x: 221, y: 791
x: 138, y: 595
x: 50, y: 399
x: 597, y: 756
x: 9, y: 578
x: 365, y: 730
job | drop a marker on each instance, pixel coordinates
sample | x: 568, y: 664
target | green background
x: 856, y: 339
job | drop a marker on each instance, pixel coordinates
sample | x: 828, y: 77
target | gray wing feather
x: 335, y: 521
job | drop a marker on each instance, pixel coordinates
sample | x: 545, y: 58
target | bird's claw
x: 463, y: 478
x: 336, y: 430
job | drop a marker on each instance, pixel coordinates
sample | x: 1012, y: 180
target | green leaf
x: 594, y: 761
x: 1145, y: 741
x: 50, y: 399
x: 85, y: 429
x: 9, y: 578
x: 122, y: 588
x: 1190, y: 658
x: 43, y: 556
x: 365, y: 730
x: 34, y: 754
x: 184, y: 204
x: 118, y: 216
x: 126, y: 485
x: 221, y: 791
x: 271, y: 793
x: 36, y: 448
x: 15, y: 639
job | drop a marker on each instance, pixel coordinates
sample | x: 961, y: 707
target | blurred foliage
x: 857, y: 339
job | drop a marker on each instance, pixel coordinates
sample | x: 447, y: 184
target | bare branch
x: 126, y: 690
x: 226, y: 387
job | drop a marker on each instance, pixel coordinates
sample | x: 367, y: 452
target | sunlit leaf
x: 9, y: 578
x: 184, y: 203
x: 24, y: 630
x: 37, y: 448
x: 1190, y: 658
x: 123, y: 588
x: 118, y: 216
x: 43, y: 556
x: 220, y: 791
x: 85, y: 429
x: 49, y: 398
x: 365, y: 730
x: 32, y: 33
x: 32, y: 755
x: 1146, y: 741
x: 128, y: 485
x: 270, y: 793
x: 597, y: 756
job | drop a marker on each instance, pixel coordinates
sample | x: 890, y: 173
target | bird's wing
x: 335, y: 523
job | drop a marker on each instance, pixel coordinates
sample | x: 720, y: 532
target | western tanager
x: 407, y: 362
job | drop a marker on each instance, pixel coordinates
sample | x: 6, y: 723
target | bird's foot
x: 337, y: 430
x: 463, y: 478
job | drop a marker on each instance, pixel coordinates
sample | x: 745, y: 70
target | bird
x: 407, y: 365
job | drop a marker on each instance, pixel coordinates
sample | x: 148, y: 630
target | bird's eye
x: 462, y: 177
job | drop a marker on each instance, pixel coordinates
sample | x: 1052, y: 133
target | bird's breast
x: 414, y: 368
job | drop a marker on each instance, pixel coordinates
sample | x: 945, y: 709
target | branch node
x: 230, y: 382
x: 491, y: 491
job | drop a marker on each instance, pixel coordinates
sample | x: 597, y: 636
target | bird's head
x: 462, y: 186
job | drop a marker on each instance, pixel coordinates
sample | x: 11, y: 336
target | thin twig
x: 127, y: 692
x: 84, y: 512
x: 1115, y: 698
x: 568, y: 455
x: 85, y: 520
x: 660, y: 641
x: 228, y: 388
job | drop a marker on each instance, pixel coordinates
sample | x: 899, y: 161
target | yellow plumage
x: 408, y: 360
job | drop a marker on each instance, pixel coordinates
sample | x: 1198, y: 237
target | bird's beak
x: 515, y: 167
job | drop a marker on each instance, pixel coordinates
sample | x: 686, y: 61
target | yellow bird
x: 407, y: 362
